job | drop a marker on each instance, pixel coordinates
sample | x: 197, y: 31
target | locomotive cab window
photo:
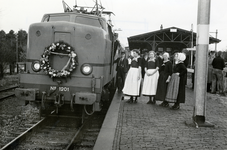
x: 49, y: 18
x: 91, y: 21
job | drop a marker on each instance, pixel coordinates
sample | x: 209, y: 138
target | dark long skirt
x: 172, y: 89
x: 162, y: 87
x: 181, y: 92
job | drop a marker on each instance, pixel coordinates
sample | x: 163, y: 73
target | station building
x: 169, y: 40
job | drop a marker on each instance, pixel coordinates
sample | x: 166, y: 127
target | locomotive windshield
x: 91, y: 21
x: 49, y: 18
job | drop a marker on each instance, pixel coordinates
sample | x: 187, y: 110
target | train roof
x: 73, y: 13
x: 85, y: 14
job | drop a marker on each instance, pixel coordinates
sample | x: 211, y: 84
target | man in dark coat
x: 117, y: 44
x: 217, y: 76
x: 122, y: 69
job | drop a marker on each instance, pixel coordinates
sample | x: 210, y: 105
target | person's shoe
x: 166, y: 105
x: 162, y: 104
x: 122, y: 98
x: 130, y: 101
x: 173, y: 106
x: 176, y: 107
x: 135, y: 101
x: 149, y: 102
x: 153, y: 102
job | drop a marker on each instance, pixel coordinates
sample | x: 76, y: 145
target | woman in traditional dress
x: 176, y: 88
x: 163, y: 80
x: 151, y: 78
x: 133, y: 78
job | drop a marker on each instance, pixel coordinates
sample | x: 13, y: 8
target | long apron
x: 150, y: 83
x: 132, y: 84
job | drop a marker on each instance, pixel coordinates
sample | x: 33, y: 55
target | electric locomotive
x: 69, y: 59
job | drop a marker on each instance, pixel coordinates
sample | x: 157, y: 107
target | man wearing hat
x: 117, y: 44
x: 122, y: 69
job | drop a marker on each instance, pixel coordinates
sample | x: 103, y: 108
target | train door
x: 111, y: 37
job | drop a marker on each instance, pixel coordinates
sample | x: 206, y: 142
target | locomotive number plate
x: 61, y: 88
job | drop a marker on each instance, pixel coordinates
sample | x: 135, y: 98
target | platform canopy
x: 168, y: 39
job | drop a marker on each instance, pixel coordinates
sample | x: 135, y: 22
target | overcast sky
x: 133, y: 17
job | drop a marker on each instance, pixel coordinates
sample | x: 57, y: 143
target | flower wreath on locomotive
x: 59, y: 48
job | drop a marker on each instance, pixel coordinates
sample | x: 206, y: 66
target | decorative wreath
x: 63, y: 49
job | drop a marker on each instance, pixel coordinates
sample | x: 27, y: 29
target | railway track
x: 60, y: 132
x: 7, y: 92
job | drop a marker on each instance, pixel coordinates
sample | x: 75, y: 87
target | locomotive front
x: 69, y: 61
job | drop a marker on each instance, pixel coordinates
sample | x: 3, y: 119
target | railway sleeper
x: 45, y: 137
x: 48, y: 141
x: 57, y: 133
x: 93, y: 130
x: 23, y: 129
x: 15, y: 133
x: 39, y: 147
x: 91, y: 134
x: 86, y: 144
x: 90, y: 138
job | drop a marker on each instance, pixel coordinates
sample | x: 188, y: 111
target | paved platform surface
x: 144, y: 126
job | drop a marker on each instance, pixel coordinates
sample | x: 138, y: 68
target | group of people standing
x: 163, y: 80
x: 217, y: 74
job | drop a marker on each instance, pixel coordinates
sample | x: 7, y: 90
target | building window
x: 168, y: 50
x: 160, y: 49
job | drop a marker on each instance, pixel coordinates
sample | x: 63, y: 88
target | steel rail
x: 10, y: 88
x: 15, y: 142
x: 7, y: 89
x: 7, y: 96
x: 77, y: 134
x: 23, y: 136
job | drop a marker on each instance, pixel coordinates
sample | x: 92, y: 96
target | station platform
x: 143, y: 126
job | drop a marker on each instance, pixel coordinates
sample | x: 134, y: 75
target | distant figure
x: 186, y: 61
x: 172, y: 57
x: 122, y: 69
x: 210, y: 70
x: 133, y: 78
x: 144, y: 61
x: 225, y: 80
x: 117, y: 46
x: 193, y: 74
x: 163, y: 80
x: 151, y: 78
x: 217, y: 76
x: 176, y: 87
x: 159, y: 58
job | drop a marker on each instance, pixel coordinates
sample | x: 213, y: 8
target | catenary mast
x: 202, y: 42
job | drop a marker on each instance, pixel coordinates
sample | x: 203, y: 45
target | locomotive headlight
x: 86, y: 69
x: 36, y: 66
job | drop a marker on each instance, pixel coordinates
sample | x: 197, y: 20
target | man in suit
x: 122, y: 69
